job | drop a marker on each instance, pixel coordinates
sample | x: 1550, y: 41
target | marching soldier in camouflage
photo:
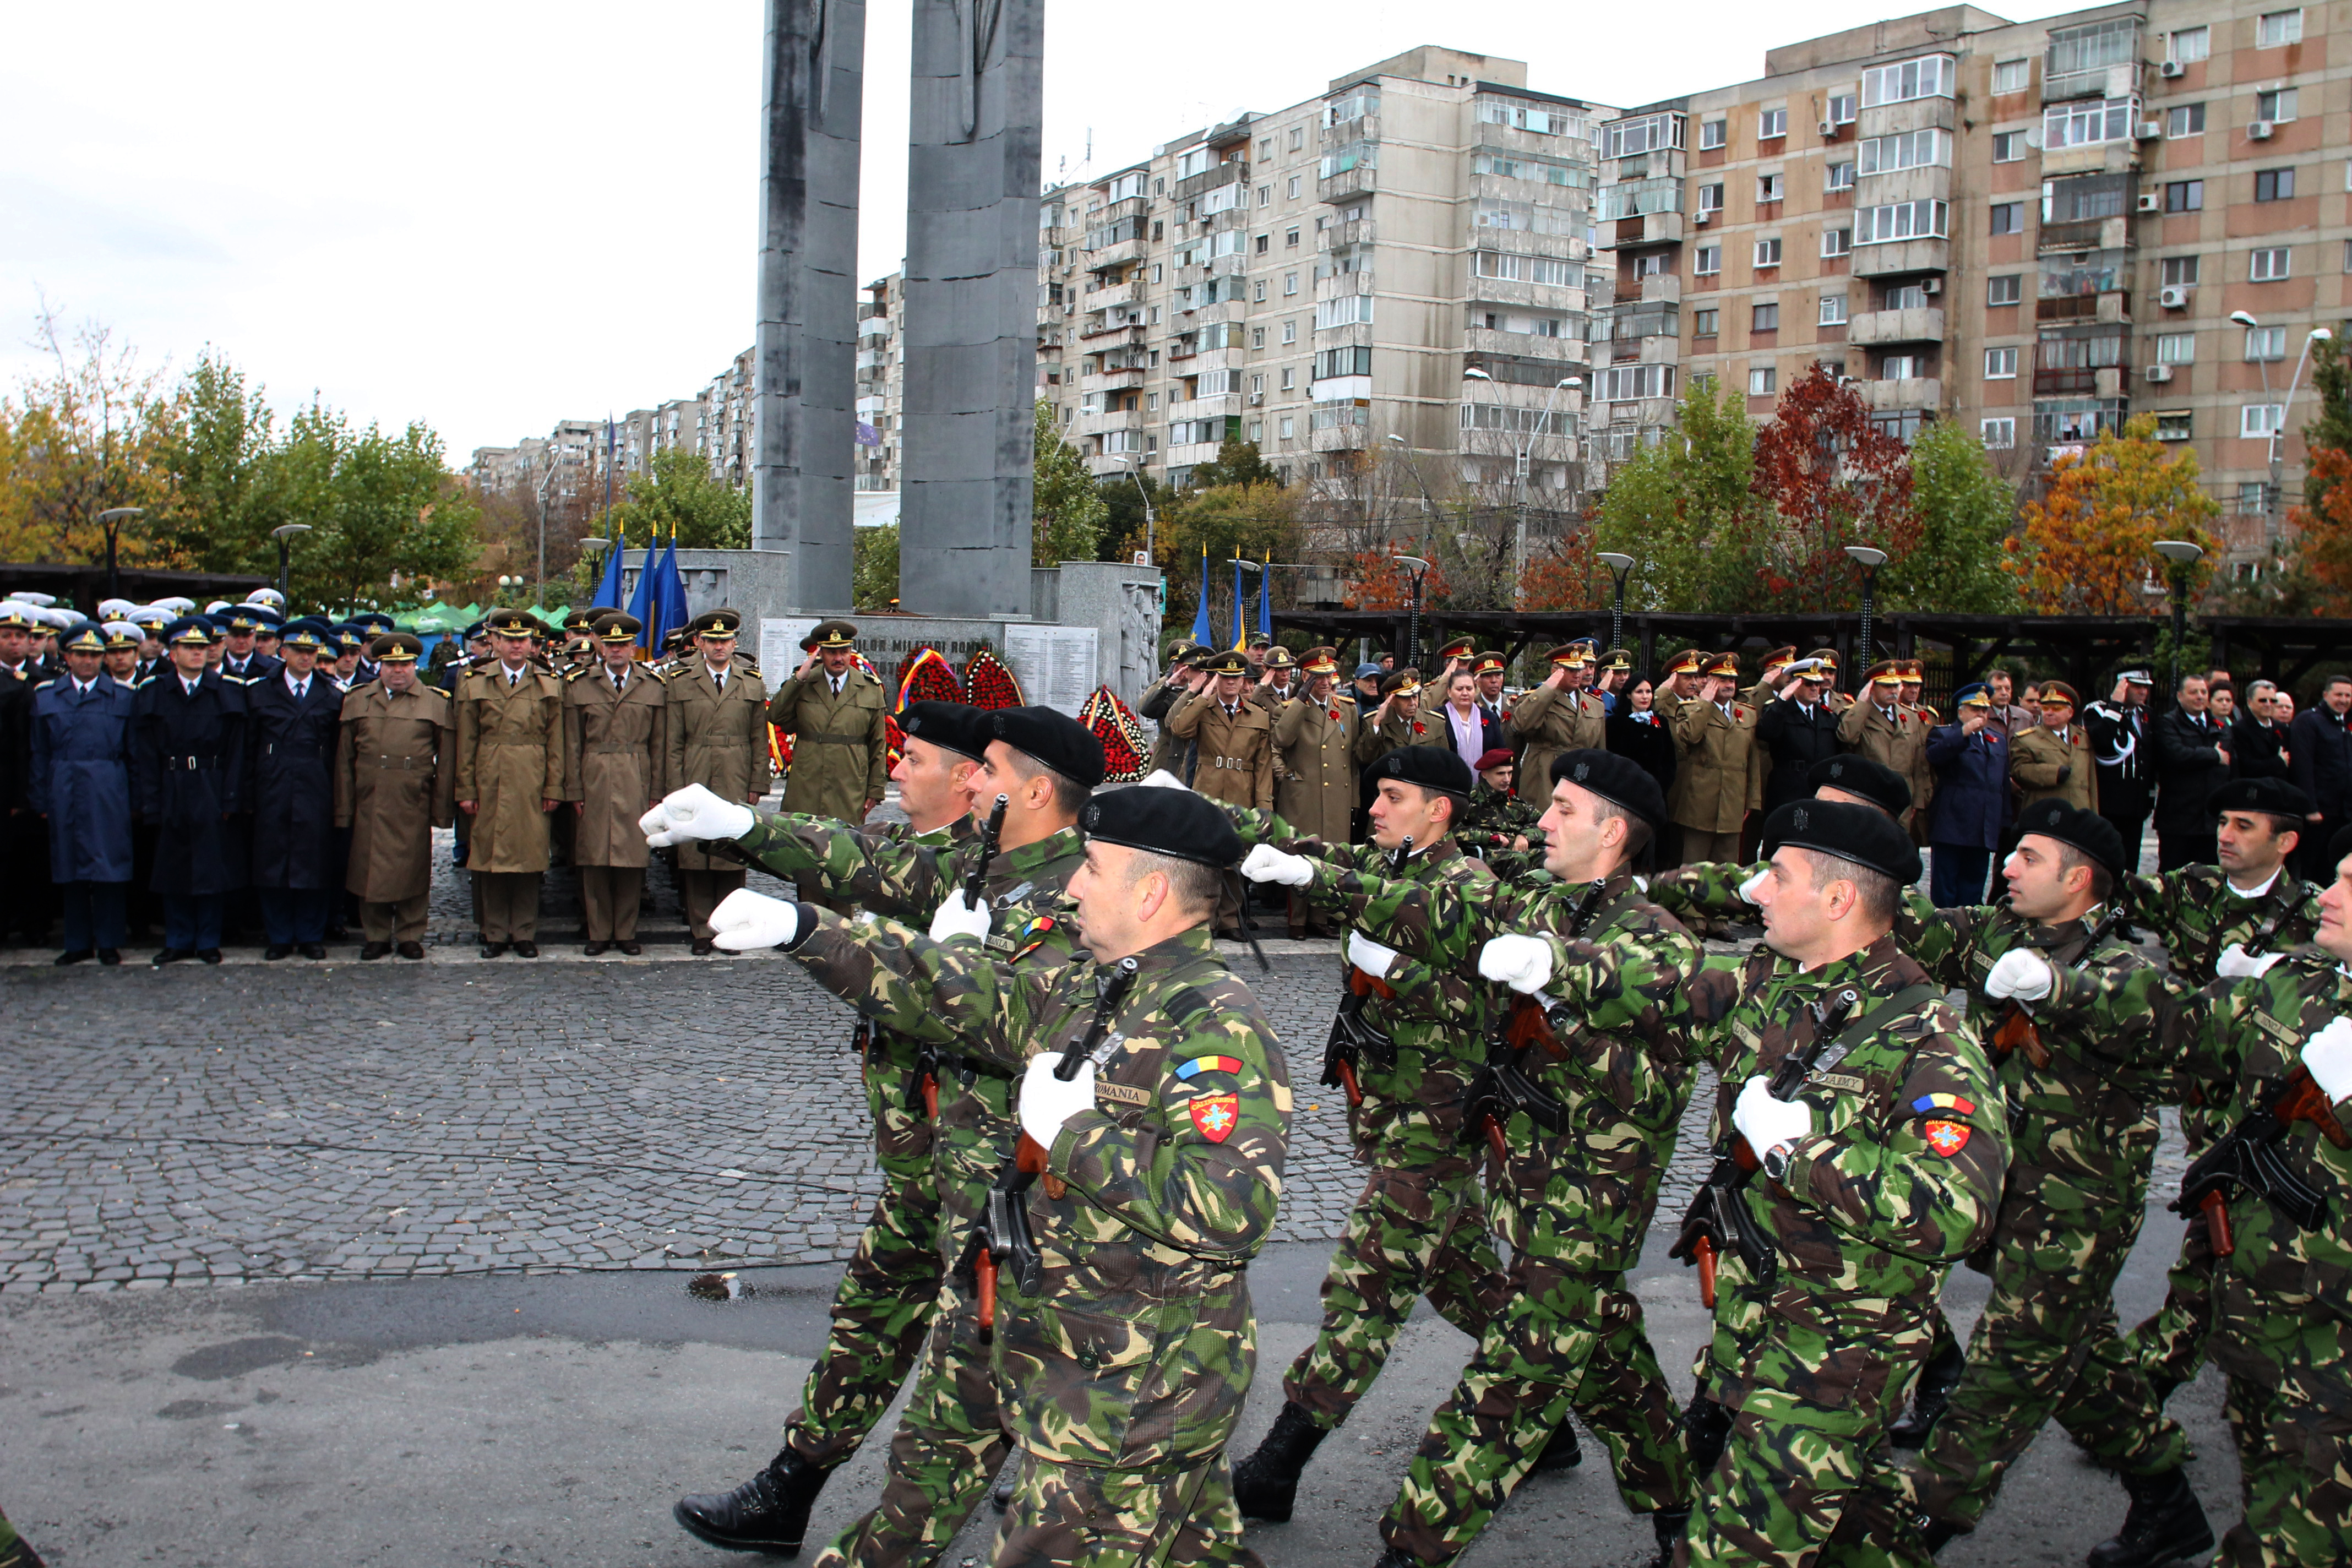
x: 1125, y: 1341
x: 1572, y: 1192
x: 2081, y: 1110
x: 1557, y: 716
x: 1716, y: 889
x: 1499, y: 827
x: 1881, y: 729
x: 950, y: 1439
x: 2051, y: 760
x: 1417, y: 1229
x: 1883, y: 1168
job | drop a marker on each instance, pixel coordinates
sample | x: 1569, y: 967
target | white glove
x: 1161, y: 778
x: 2328, y: 1055
x: 1747, y: 890
x: 1046, y: 1101
x: 1766, y: 1122
x: 954, y: 918
x: 693, y: 812
x: 745, y: 920
x: 1521, y: 962
x: 2021, y: 973
x: 1369, y: 955
x: 1264, y: 863
x: 2237, y: 963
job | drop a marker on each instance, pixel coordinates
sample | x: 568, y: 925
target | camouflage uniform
x: 2084, y: 1135
x: 951, y: 1438
x: 1574, y: 1205
x: 1122, y: 1378
x: 2196, y: 914
x: 1897, y: 1181
x: 1491, y: 825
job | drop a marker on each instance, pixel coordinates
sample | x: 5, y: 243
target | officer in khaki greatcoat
x: 2053, y: 759
x: 1881, y: 728
x: 718, y: 738
x: 395, y: 782
x: 1235, y: 763
x: 1557, y: 716
x: 614, y: 721
x: 1714, y: 735
x: 1315, y: 761
x: 510, y: 778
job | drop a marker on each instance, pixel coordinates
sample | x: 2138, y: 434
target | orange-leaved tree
x: 1833, y: 479
x: 2090, y: 540
x: 2324, y: 528
x: 1383, y: 583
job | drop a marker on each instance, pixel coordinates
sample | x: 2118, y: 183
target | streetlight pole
x: 112, y: 519
x: 1520, y: 471
x: 1870, y: 559
x: 1419, y: 570
x: 1618, y: 565
x: 2286, y: 410
x: 1135, y: 472
x: 2179, y: 556
x: 285, y: 535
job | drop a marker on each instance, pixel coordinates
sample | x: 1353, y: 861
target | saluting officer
x: 716, y: 735
x: 292, y: 721
x: 188, y: 776
x: 509, y: 777
x: 1881, y: 728
x: 1713, y: 736
x: 1557, y: 716
x: 837, y: 716
x: 1235, y: 763
x: 395, y: 782
x: 2053, y: 759
x: 1315, y: 749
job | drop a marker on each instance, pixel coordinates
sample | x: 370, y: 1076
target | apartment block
x: 881, y: 315
x: 1321, y: 279
x: 2039, y: 229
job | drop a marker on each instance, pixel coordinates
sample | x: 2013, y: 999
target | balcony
x: 1340, y: 236
x: 1119, y: 253
x: 1569, y: 354
x: 1099, y: 333
x: 1662, y: 288
x: 1115, y: 294
x: 1875, y: 328
x: 1226, y: 173
x: 1900, y: 255
x: 1350, y: 174
x: 2084, y: 233
x: 1104, y: 422
x: 2114, y: 309
x: 1112, y: 380
x: 1912, y: 391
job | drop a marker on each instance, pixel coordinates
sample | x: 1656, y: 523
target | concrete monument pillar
x: 971, y: 332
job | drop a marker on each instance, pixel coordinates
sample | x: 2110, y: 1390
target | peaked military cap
x: 396, y: 647
x: 1320, y: 661
x: 306, y: 632
x: 2084, y: 830
x: 958, y: 727
x: 1403, y: 682
x: 1618, y: 779
x: 1280, y: 658
x: 1618, y: 659
x: 2276, y: 797
x: 725, y: 622
x: 831, y: 634
x: 147, y: 617
x: 348, y: 636
x: 618, y: 628
x: 120, y: 635
x: 1486, y: 662
x: 245, y: 617
x: 1055, y: 739
x: 269, y: 596
x: 16, y: 614
x: 1780, y: 658
x: 83, y: 636
x: 1565, y: 654
x: 28, y: 596
x: 578, y: 620
x: 1874, y: 782
x: 1886, y: 672
x: 196, y: 629
x: 2057, y: 691
x: 1684, y: 662
x: 1230, y: 662
x: 1439, y: 768
x: 376, y: 623
x: 1460, y: 648
x: 509, y: 624
x: 1862, y: 834
x: 1975, y: 694
x: 1172, y: 822
x: 1725, y: 664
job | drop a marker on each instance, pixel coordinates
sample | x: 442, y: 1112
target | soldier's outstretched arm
x: 1942, y: 941
x: 874, y: 870
x: 1648, y: 1001
x: 935, y: 991
x: 1442, y: 923
x: 1706, y: 889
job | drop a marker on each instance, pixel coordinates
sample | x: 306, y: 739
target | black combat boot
x: 999, y: 1495
x: 1707, y: 1430
x: 1672, y: 1525
x: 767, y: 1514
x: 1934, y: 1534
x: 1928, y: 1401
x: 1397, y: 1557
x: 1560, y: 1452
x: 1266, y: 1482
x: 2165, y: 1522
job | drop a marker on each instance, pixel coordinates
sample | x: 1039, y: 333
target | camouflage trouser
x: 1069, y: 1514
x: 2047, y: 1347
x: 13, y: 1549
x: 1564, y: 1339
x: 2170, y: 1345
x: 1413, y: 1233
x: 2294, y: 1464
x: 1785, y: 1479
x: 880, y: 1312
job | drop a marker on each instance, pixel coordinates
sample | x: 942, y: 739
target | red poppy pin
x: 1215, y: 1114
x: 1946, y: 1137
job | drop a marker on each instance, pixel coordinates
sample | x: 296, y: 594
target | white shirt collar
x: 2268, y: 883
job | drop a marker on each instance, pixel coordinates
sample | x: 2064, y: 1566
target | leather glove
x: 745, y: 920
x: 1369, y: 955
x: 1521, y: 962
x: 1161, y: 778
x: 2066, y: 772
x: 2328, y: 1055
x: 2237, y: 963
x: 1046, y: 1101
x: 1747, y: 890
x: 2021, y: 973
x: 954, y: 918
x: 1766, y: 1122
x: 693, y: 812
x: 1264, y: 863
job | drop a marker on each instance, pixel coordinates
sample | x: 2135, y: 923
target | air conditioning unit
x: 2170, y: 68
x: 2159, y: 373
x: 1829, y: 127
x: 2148, y: 130
x: 1931, y: 286
x: 2173, y: 297
x: 2260, y: 130
x: 1256, y: 398
x: 1703, y: 217
x: 2151, y: 203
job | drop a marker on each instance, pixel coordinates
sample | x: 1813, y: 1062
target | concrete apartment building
x: 881, y: 359
x: 2038, y: 229
x: 1318, y: 280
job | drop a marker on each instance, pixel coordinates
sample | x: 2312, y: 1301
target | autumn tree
x: 1687, y: 512
x: 1832, y: 477
x: 2331, y: 428
x: 1960, y: 563
x: 679, y: 497
x: 90, y: 432
x: 1252, y: 523
x: 2089, y: 541
x: 1068, y: 513
x: 385, y: 510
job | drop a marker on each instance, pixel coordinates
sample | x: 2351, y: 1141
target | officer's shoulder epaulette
x: 52, y: 681
x: 574, y: 673
x: 139, y: 685
x: 230, y: 679
x: 1185, y: 1005
x: 871, y: 679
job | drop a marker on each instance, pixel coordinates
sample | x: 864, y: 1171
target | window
x: 1333, y: 362
x: 1928, y: 77
x: 2262, y: 419
x: 1833, y: 311
x: 1767, y: 253
x: 1707, y: 260
x: 2172, y: 426
x: 2009, y: 218
x: 2267, y: 266
x: 1899, y: 367
x: 2191, y: 45
x: 1842, y: 108
x: 1653, y: 264
x: 1289, y: 284
x: 1291, y: 189
x: 1266, y: 195
x: 2347, y: 256
x: 2278, y: 27
x: 2254, y: 496
x: 2084, y: 122
x: 1762, y: 382
x: 1290, y: 236
x: 1347, y: 310
x: 1297, y: 140
x: 1841, y: 177
x: 1650, y: 134
x: 1263, y: 242
x: 1627, y: 383
x: 1768, y: 188
x: 1257, y: 383
x: 1771, y: 122
x: 1704, y: 323
x: 1509, y: 266
x: 1998, y: 434
x: 2176, y: 348
x: 2011, y: 76
x: 1526, y: 117
x: 1767, y: 319
x: 1258, y: 337
x: 2279, y: 105
x: 1286, y: 426
x: 2000, y: 365
x: 1257, y: 292
x: 2265, y: 343
x: 2008, y: 147
x: 1711, y: 133
x: 1837, y: 241
x: 1290, y: 379
x: 2184, y: 196
x: 1710, y: 198
x: 2179, y: 271
x: 2184, y: 119
x: 2273, y: 184
x: 1901, y: 220
x: 2007, y: 289
x: 1913, y: 149
x: 1289, y: 332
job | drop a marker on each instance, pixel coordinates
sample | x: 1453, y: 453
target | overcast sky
x: 489, y: 216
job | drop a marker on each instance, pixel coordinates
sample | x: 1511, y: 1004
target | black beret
x: 2084, y: 830
x: 1862, y: 834
x: 1163, y: 822
x: 1874, y: 782
x: 957, y: 727
x: 1618, y: 779
x: 1429, y: 767
x: 2276, y: 796
x: 1055, y: 739
x: 2337, y: 848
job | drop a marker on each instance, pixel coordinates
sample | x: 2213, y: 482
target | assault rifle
x: 2016, y: 1030
x: 2248, y: 1158
x: 1503, y: 1087
x: 1355, y: 1037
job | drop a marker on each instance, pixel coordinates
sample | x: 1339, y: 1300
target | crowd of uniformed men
x: 1081, y: 1113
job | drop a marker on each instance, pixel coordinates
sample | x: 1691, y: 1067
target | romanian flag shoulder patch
x: 1929, y: 1104
x: 1031, y: 936
x: 1946, y: 1137
x: 1199, y: 1064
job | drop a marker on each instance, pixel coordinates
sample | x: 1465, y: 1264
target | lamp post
x: 1870, y: 559
x: 2277, y: 495
x: 2270, y: 496
x: 2180, y: 555
x: 112, y: 519
x: 1419, y: 570
x: 1135, y: 472
x: 1618, y: 565
x: 1520, y: 471
x: 1427, y: 500
x: 285, y: 535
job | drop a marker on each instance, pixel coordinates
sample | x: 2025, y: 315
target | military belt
x: 271, y: 750
x: 616, y: 749
x: 189, y: 764
x: 404, y: 765
x: 830, y: 739
x: 1234, y: 763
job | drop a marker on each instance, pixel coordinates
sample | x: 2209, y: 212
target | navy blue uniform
x: 188, y: 769
x: 290, y: 793
x: 80, y: 780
